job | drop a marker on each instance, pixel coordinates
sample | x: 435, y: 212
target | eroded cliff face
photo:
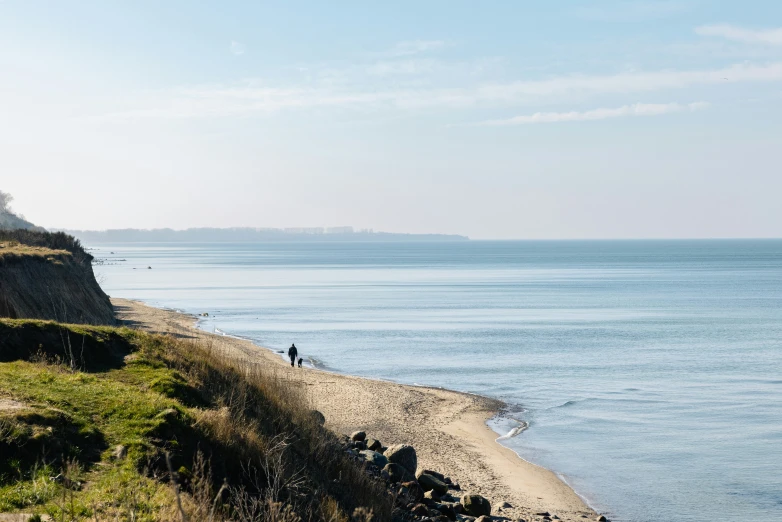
x: 38, y: 283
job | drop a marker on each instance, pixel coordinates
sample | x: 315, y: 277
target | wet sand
x: 448, y: 429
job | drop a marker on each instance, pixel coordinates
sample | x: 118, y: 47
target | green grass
x: 218, y: 421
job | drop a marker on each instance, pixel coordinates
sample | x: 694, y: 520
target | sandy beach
x: 448, y: 429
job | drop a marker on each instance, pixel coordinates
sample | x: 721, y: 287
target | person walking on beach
x: 292, y: 353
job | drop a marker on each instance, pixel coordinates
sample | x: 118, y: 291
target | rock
x: 484, y: 518
x: 414, y: 490
x: 119, y: 453
x: 358, y: 435
x: 505, y: 505
x: 397, y: 473
x: 476, y: 505
x: 447, y: 510
x: 420, y: 510
x: 431, y: 483
x: 280, y: 351
x: 438, y: 476
x: 455, y: 486
x: 447, y: 480
x: 543, y: 514
x: 360, y: 445
x: 374, y: 445
x: 385, y: 476
x: 432, y: 495
x: 601, y: 518
x: 554, y: 517
x: 373, y: 457
x: 318, y: 417
x: 403, y: 455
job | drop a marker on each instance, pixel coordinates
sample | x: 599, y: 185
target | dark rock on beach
x: 398, y: 473
x: 373, y: 457
x: 403, y: 455
x: 358, y: 436
x: 476, y: 505
x: 431, y: 483
x: 435, y: 474
x: 318, y: 417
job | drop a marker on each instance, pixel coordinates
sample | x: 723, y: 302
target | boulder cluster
x: 425, y: 495
x: 422, y: 494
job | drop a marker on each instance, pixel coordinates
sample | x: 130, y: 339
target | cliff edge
x: 49, y: 276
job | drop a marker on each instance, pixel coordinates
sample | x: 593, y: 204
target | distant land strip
x: 248, y: 234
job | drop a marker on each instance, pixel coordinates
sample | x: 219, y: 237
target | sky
x: 497, y: 120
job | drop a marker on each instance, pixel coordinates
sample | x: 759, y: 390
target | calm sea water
x: 649, y: 372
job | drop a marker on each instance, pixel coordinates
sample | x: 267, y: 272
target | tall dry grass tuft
x: 291, y: 467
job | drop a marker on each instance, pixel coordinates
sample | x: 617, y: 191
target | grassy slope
x: 156, y: 396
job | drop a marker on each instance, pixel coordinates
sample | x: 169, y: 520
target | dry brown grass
x: 14, y: 249
x: 290, y: 464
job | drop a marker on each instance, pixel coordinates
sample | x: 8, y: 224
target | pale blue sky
x: 492, y: 119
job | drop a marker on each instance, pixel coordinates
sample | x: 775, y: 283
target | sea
x: 646, y: 374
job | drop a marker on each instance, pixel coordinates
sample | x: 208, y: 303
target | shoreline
x: 449, y: 429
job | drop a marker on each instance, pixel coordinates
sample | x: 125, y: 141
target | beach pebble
x: 374, y: 445
x: 543, y: 514
x: 431, y: 483
x: 476, y: 505
x: 484, y: 518
x: 403, y: 455
x: 420, y: 510
x: 373, y: 457
x: 601, y: 518
x: 358, y: 435
x: 505, y: 505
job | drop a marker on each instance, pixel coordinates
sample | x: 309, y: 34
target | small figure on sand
x: 301, y: 360
x: 293, y: 353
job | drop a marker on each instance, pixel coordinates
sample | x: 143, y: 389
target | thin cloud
x: 402, y: 67
x: 412, y: 47
x: 250, y: 98
x: 237, y: 48
x: 638, y: 109
x: 740, y: 34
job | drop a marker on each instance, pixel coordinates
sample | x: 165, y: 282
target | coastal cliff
x: 49, y: 276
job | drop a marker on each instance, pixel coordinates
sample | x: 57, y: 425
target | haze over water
x: 650, y: 372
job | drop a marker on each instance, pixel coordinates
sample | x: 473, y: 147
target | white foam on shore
x: 515, y: 430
